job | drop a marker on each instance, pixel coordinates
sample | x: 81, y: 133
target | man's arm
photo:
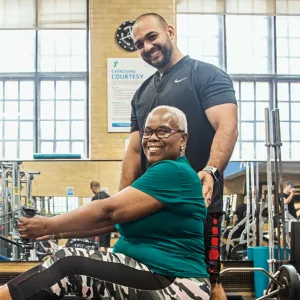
x: 131, y: 162
x: 223, y: 118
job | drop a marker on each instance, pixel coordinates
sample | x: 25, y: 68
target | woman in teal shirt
x: 160, y: 254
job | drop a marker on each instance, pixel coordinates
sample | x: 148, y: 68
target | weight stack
x: 295, y: 245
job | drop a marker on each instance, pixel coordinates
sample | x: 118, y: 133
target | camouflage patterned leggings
x: 102, y: 276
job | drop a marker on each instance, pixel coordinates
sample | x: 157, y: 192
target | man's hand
x: 32, y: 227
x: 207, y: 186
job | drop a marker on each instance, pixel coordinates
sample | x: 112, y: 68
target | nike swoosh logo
x: 179, y: 80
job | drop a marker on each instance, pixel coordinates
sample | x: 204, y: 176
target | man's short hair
x: 160, y: 19
x: 94, y: 184
x: 289, y: 182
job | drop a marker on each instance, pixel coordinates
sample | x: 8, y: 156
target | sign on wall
x: 124, y: 77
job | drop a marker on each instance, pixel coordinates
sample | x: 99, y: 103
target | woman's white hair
x: 178, y: 115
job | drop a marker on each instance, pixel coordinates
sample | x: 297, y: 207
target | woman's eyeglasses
x: 161, y: 133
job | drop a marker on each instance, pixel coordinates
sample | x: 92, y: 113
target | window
x: 258, y: 62
x: 59, y: 205
x: 43, y: 78
x: 288, y: 45
x: 16, y: 120
x: 248, y: 45
x: 199, y: 40
x: 56, y: 205
x: 253, y: 97
x: 62, y: 116
x: 289, y: 106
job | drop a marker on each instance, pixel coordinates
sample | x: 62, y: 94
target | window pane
x: 1, y: 154
x: 47, y: 130
x: 247, y: 91
x: 292, y: 22
x: 11, y: 130
x: 295, y: 109
x: 57, y: 53
x: 47, y: 110
x: 46, y: 147
x: 236, y: 152
x: 17, y: 51
x: 247, y: 111
x: 62, y: 89
x: 26, y: 150
x: 47, y: 64
x: 261, y: 152
x: 247, y: 151
x: 62, y: 64
x: 11, y: 150
x: 247, y: 131
x: 260, y: 131
x: 62, y: 130
x: 197, y: 39
x: 26, y: 110
x: 295, y: 91
x: 294, y: 47
x: 63, y: 110
x: 247, y: 45
x: 77, y: 63
x: 295, y: 132
x: 283, y: 47
x: 26, y: 130
x: 47, y: 90
x: 11, y: 109
x: 62, y: 147
x: 285, y: 151
x: 1, y: 90
x: 295, y: 151
x: 11, y: 90
x: 262, y: 91
x: 260, y: 110
x: 281, y: 26
x: 26, y: 90
x: 77, y: 147
x: 78, y: 110
x: 78, y: 90
x: 283, y: 91
x: 78, y: 130
x: 285, y: 131
x: 295, y: 66
x: 288, y: 44
x: 1, y: 130
x: 284, y: 111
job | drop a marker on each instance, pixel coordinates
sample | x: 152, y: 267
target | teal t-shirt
x: 170, y: 241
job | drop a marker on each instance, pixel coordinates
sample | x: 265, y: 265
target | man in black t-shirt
x: 288, y: 194
x: 206, y: 95
x: 104, y: 240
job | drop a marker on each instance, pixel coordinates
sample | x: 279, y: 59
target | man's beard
x: 166, y: 53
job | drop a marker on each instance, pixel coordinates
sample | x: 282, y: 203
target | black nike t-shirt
x: 193, y: 87
x: 100, y: 195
